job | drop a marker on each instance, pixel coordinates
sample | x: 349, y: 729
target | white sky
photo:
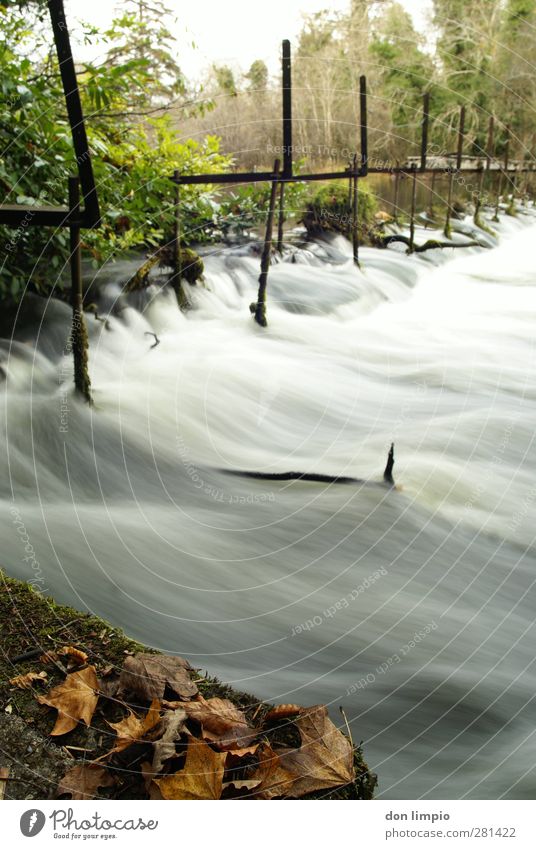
x: 234, y: 32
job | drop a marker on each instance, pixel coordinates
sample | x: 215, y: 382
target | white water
x: 128, y: 516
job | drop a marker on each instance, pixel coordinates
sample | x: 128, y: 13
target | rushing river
x: 413, y: 608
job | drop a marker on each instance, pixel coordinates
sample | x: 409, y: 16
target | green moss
x: 192, y: 266
x: 329, y: 211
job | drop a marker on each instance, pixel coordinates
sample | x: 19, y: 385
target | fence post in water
x: 448, y: 231
x: 355, y: 213
x: 281, y: 218
x: 79, y: 337
x: 176, y: 280
x: 413, y: 209
x: 259, y: 309
x: 461, y: 136
x: 424, y: 134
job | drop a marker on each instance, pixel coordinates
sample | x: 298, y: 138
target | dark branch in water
x: 156, y: 339
x: 313, y: 476
x: 431, y: 244
x: 388, y: 473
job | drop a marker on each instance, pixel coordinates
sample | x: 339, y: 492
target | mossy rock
x: 329, y: 211
x: 192, y: 266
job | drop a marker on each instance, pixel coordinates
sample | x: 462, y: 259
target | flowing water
x: 413, y: 608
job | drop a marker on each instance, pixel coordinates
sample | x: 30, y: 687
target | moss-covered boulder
x: 192, y: 266
x: 329, y: 211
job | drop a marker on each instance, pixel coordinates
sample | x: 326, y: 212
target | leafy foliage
x: 134, y: 155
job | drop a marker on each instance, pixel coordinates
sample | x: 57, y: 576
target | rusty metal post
x: 478, y: 196
x: 489, y: 146
x: 424, y: 132
x: 355, y: 213
x: 432, y: 195
x: 447, y: 230
x: 176, y: 279
x: 413, y: 209
x: 287, y: 108
x: 395, y: 199
x: 498, y: 199
x: 79, y: 337
x: 461, y: 136
x: 259, y: 309
x: 281, y: 221
x: 363, y: 123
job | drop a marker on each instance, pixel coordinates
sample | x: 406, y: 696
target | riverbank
x: 34, y: 635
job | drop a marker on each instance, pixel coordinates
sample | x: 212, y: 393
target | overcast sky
x: 231, y: 31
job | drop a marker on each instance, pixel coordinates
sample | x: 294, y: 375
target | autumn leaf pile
x: 172, y: 743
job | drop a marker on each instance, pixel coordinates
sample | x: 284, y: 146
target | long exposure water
x: 413, y: 608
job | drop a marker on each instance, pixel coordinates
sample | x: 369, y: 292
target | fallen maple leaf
x: 75, y: 699
x: 134, y: 727
x: 201, y: 776
x: 325, y: 759
x: 164, y: 748
x: 222, y: 723
x: 24, y: 682
x: 147, y: 675
x: 82, y: 782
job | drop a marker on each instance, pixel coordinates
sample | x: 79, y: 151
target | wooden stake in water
x: 79, y: 337
x: 259, y: 309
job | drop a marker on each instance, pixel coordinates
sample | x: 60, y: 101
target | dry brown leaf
x: 147, y: 675
x: 324, y: 760
x: 201, y: 776
x: 272, y: 778
x: 282, y: 712
x: 171, y: 728
x: 75, y: 699
x: 75, y: 655
x: 222, y: 722
x: 134, y: 727
x: 83, y: 782
x: 24, y: 682
x: 48, y: 657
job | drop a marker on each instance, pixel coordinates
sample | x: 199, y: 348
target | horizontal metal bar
x: 43, y: 216
x: 263, y: 177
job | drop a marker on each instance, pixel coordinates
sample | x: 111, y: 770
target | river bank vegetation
x: 144, y: 119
